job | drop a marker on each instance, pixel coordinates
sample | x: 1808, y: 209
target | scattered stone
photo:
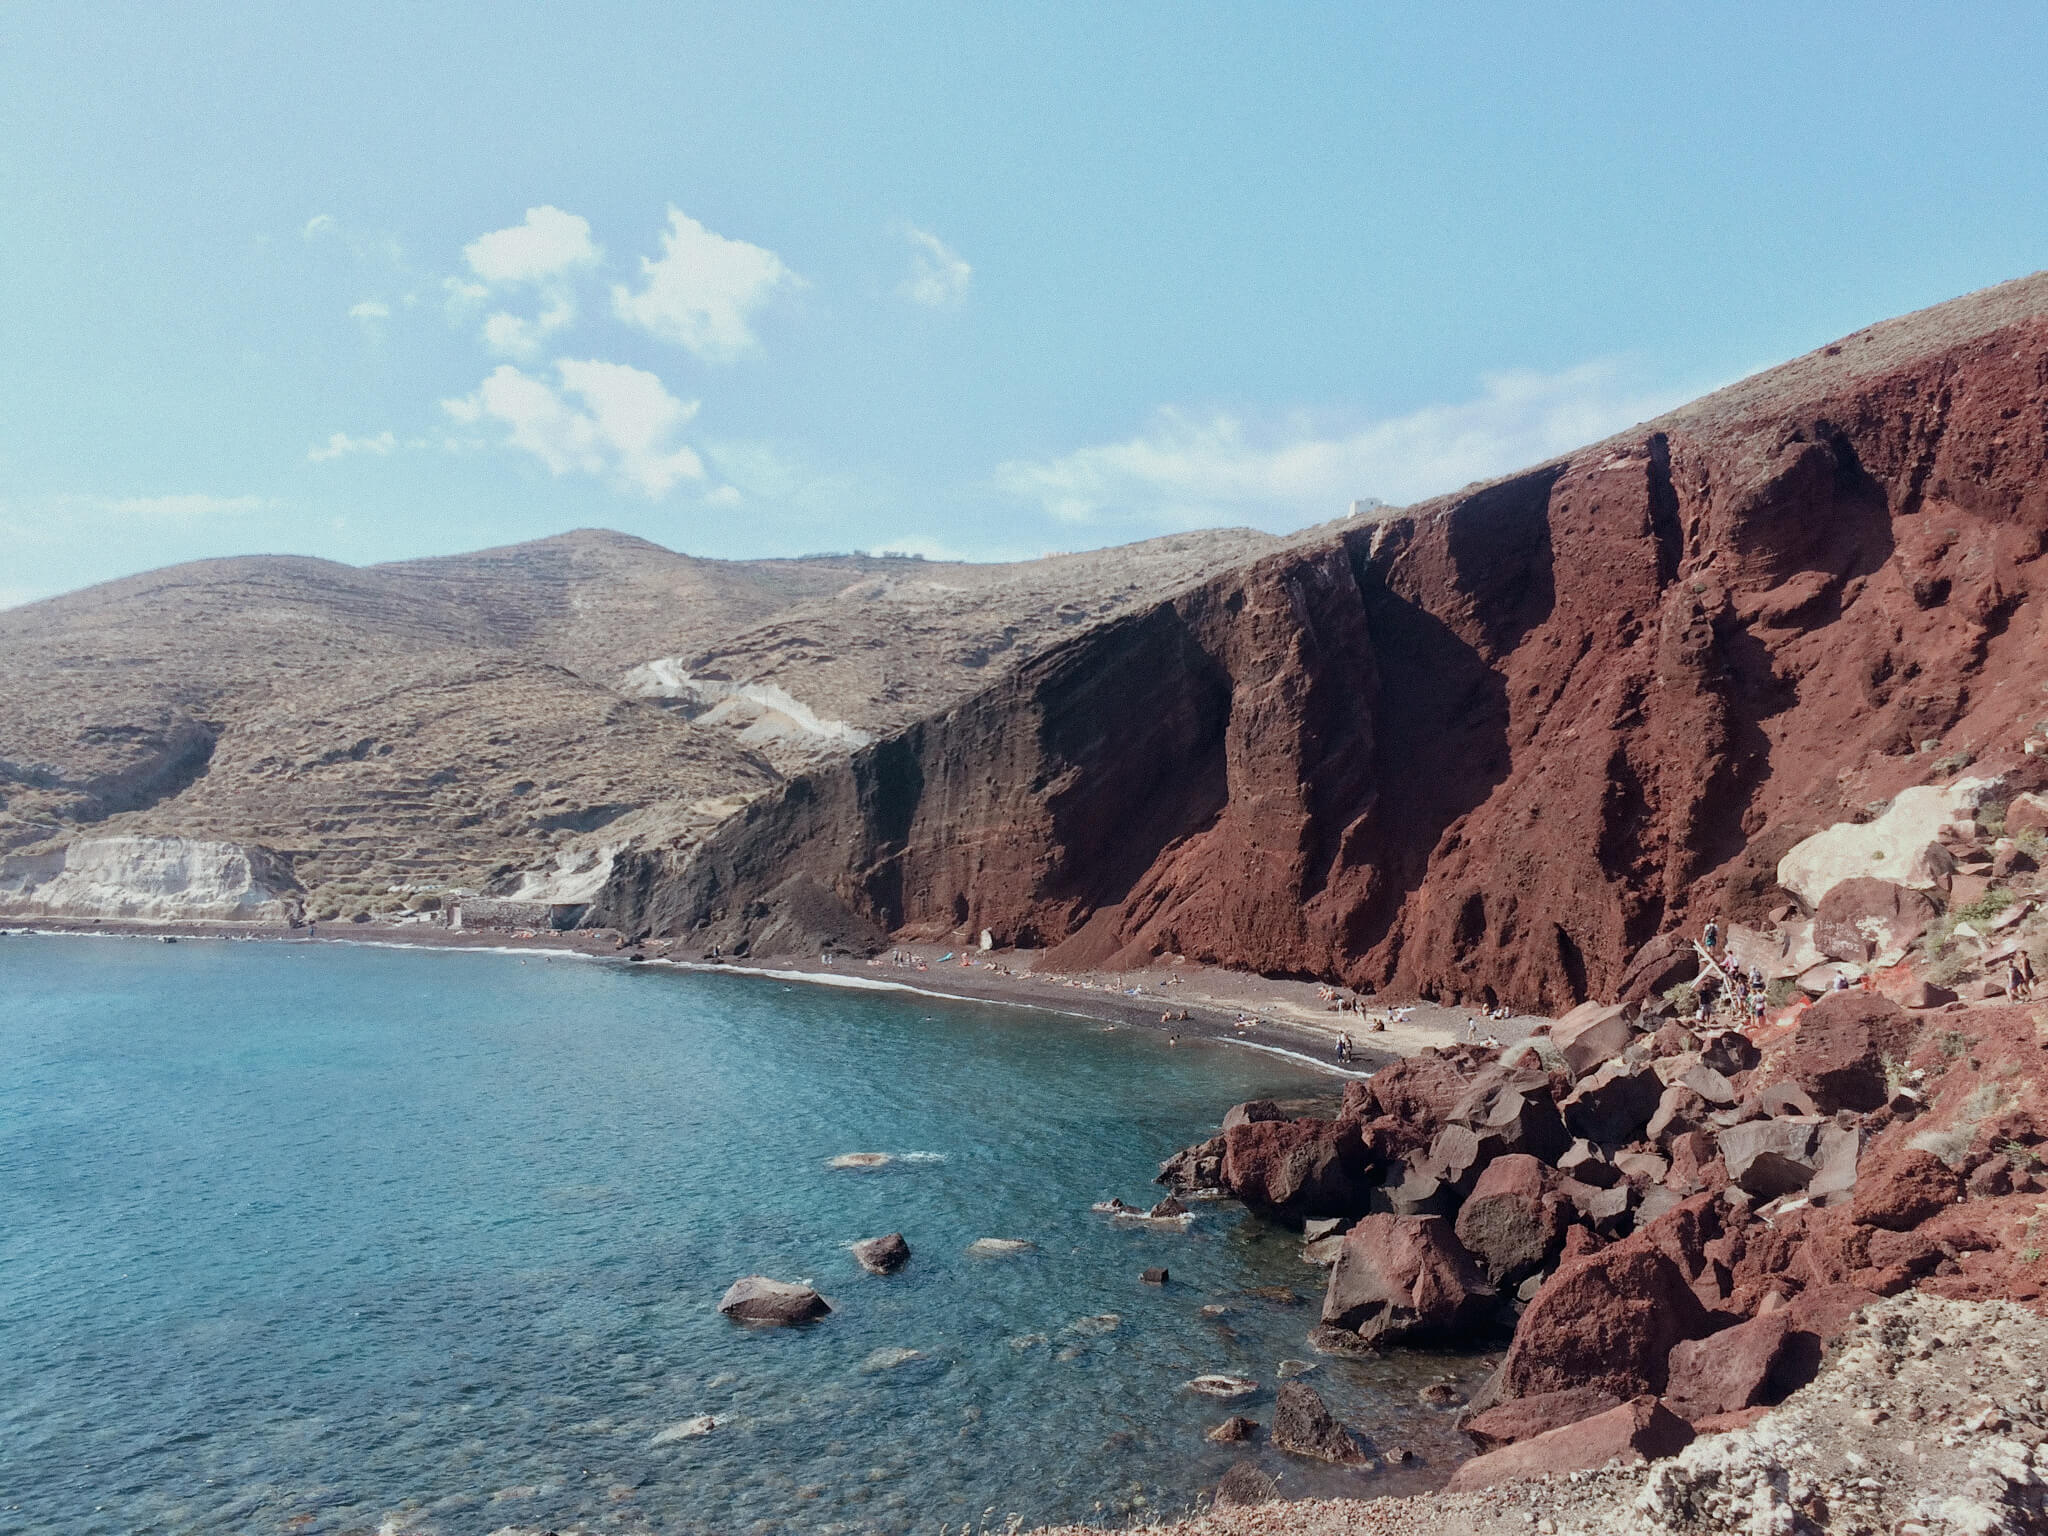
x: 758, y: 1299
x: 1287, y: 1370
x: 1441, y: 1394
x: 1169, y: 1207
x: 1154, y: 1277
x: 1234, y: 1430
x: 1303, y: 1426
x: 882, y: 1255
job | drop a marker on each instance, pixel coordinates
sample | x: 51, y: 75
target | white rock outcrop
x: 1902, y: 846
x: 160, y: 879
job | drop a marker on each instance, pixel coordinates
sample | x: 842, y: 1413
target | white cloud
x: 1190, y: 471
x: 938, y: 277
x: 511, y: 335
x: 187, y: 506
x: 703, y: 290
x: 547, y: 245
x: 318, y: 225
x: 626, y: 429
x: 340, y: 444
x: 370, y: 311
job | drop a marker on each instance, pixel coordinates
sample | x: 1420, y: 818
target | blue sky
x: 376, y: 281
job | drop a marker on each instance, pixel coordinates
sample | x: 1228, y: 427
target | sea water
x: 326, y: 1238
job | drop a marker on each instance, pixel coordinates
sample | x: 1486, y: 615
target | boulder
x: 1406, y: 1279
x: 1235, y: 1430
x: 1786, y: 1099
x: 1415, y: 1094
x: 1752, y: 949
x: 1690, y: 1070
x: 1837, y: 1053
x: 1414, y: 1190
x: 1593, y: 1033
x: 1729, y: 1051
x: 1251, y: 1112
x: 1837, y: 1151
x: 1769, y: 1158
x: 2026, y: 813
x: 1667, y: 961
x: 1925, y: 994
x: 1614, y: 1103
x: 1458, y: 1153
x: 1193, y: 1168
x: 1903, y: 845
x: 1641, y: 1430
x: 1294, y: 1168
x: 1303, y: 1426
x: 758, y: 1299
x: 1871, y: 922
x: 1642, y: 1167
x: 1602, y: 1211
x: 1587, y: 1164
x: 1737, y: 1368
x: 882, y: 1255
x: 1904, y: 1189
x: 1512, y: 1222
x: 1607, y: 1321
x: 1514, y: 1108
x: 1527, y: 1417
x: 1246, y: 1484
x: 1679, y: 1110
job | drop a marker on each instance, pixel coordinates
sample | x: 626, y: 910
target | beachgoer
x: 1841, y: 981
x: 1713, y: 936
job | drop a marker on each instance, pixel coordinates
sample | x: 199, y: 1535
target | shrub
x: 1985, y: 907
x: 1683, y: 998
x: 1991, y: 819
x: 1781, y: 992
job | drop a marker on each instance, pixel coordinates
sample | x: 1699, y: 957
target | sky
x: 971, y: 281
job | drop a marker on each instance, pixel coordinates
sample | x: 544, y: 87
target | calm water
x: 335, y: 1238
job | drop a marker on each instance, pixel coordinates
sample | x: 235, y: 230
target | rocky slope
x: 1491, y: 746
x: 453, y: 722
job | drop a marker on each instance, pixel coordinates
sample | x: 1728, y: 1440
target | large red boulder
x: 1512, y: 1222
x: 1415, y: 1095
x: 1868, y: 919
x: 1903, y: 1189
x: 1295, y: 1169
x: 1638, y: 1431
x: 1406, y: 1279
x: 1667, y: 961
x: 1740, y: 1367
x: 1839, y: 1049
x: 1609, y: 1320
x: 1527, y: 1417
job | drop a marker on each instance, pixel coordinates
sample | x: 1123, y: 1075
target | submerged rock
x: 688, y: 1429
x: 859, y: 1160
x: 996, y: 1247
x: 1234, y: 1430
x: 1246, y: 1484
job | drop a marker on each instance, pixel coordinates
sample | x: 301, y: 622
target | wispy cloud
x: 938, y: 276
x: 318, y: 225
x: 1190, y: 470
x: 702, y: 292
x: 370, y: 311
x: 626, y: 428
x: 340, y: 445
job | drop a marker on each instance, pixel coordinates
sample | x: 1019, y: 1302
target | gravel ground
x: 1931, y: 1420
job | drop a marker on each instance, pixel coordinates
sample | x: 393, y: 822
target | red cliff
x: 1489, y: 746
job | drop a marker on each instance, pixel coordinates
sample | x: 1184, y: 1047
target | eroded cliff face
x: 1486, y: 748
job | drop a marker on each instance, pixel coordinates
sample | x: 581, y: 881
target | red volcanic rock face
x: 1493, y: 746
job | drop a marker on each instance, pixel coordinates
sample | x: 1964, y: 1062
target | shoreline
x: 1290, y: 1019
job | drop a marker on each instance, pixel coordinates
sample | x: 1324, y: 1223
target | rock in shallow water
x: 1246, y: 1484
x: 1304, y: 1426
x: 758, y: 1299
x: 991, y: 1247
x: 882, y: 1255
x: 859, y: 1160
x: 1219, y: 1385
x: 1235, y: 1429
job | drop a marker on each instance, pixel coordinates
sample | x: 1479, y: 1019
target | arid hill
x: 1493, y: 745
x: 452, y: 722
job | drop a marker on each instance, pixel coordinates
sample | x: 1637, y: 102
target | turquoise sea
x: 327, y: 1238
